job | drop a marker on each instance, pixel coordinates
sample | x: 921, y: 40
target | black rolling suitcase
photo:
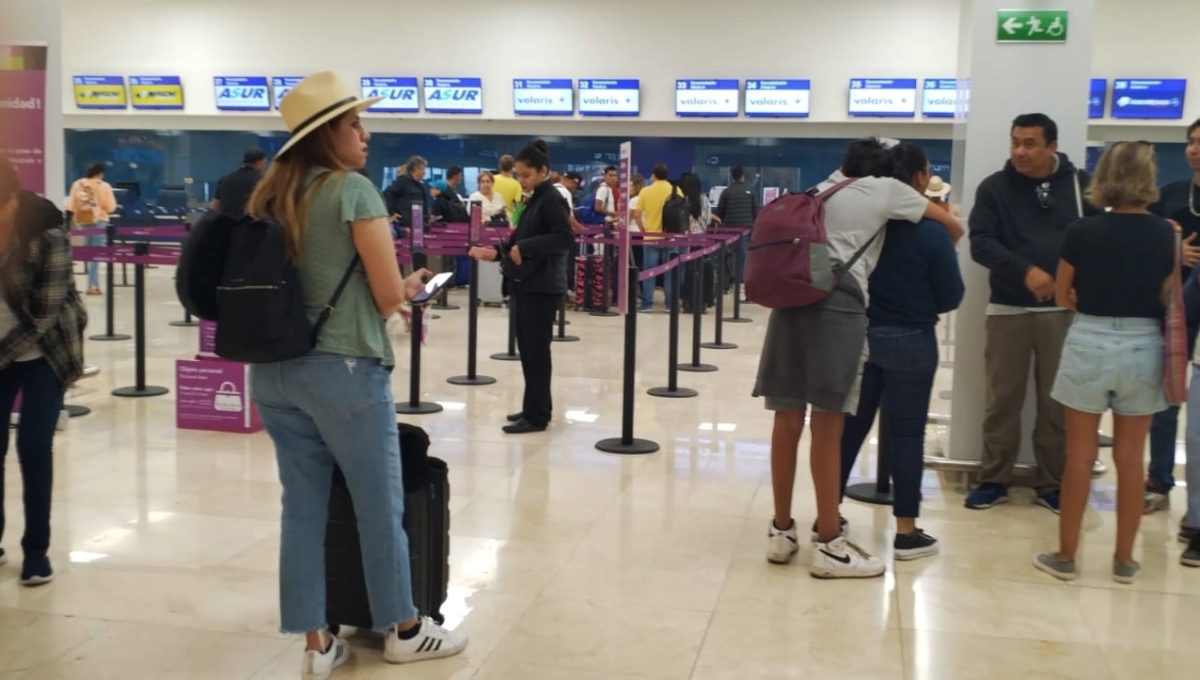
x: 426, y: 521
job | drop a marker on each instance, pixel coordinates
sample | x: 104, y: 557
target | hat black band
x: 316, y: 116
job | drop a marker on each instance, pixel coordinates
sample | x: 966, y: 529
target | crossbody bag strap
x: 863, y: 250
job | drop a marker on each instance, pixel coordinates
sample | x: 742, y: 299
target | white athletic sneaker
x: 432, y: 642
x: 782, y: 544
x: 842, y: 558
x: 320, y: 665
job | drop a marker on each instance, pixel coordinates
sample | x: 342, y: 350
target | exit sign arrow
x: 1031, y: 26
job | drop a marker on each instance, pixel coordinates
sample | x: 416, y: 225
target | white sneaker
x: 432, y: 642
x: 842, y: 558
x: 320, y: 665
x: 782, y: 544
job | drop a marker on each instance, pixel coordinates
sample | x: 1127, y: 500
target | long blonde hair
x: 283, y: 196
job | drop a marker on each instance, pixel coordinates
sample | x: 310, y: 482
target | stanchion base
x: 697, y: 368
x: 447, y: 308
x: 109, y: 338
x: 469, y: 381
x: 604, y: 313
x: 1106, y: 441
x: 505, y: 356
x: 636, y: 447
x: 677, y: 393
x: 564, y: 338
x: 184, y: 324
x: 718, y: 345
x: 737, y: 319
x: 423, y: 408
x: 432, y: 317
x: 76, y: 411
x: 867, y: 492
x: 135, y: 392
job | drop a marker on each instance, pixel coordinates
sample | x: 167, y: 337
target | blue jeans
x: 1192, y: 444
x: 41, y: 400
x: 897, y: 381
x: 321, y: 410
x: 652, y: 257
x: 93, y: 268
x: 1163, y: 431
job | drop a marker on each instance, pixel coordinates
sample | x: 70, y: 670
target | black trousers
x: 41, y: 400
x: 535, y: 326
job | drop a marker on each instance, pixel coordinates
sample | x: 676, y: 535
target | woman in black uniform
x: 534, y: 263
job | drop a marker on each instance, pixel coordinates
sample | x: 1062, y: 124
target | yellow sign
x: 157, y: 96
x: 100, y: 96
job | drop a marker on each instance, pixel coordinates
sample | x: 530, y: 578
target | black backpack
x: 676, y: 213
x: 234, y: 271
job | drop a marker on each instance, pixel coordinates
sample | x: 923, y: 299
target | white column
x: 1006, y: 80
x: 40, y: 22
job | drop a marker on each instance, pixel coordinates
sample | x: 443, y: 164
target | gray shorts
x: 815, y: 355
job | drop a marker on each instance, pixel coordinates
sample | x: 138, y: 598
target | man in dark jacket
x: 738, y: 207
x: 1017, y: 225
x: 1179, y: 201
x: 233, y: 190
x: 407, y: 190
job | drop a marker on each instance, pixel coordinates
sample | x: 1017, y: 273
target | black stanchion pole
x: 697, y: 320
x: 606, y: 288
x: 673, y: 390
x: 472, y: 378
x: 722, y: 281
x: 737, y: 283
x: 511, y: 354
x: 414, y: 406
x: 140, y: 389
x: 626, y: 444
x: 562, y: 336
x: 109, y: 303
x: 443, y: 300
x: 187, y: 321
x: 878, y: 492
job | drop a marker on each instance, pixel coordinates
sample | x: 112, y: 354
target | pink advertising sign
x: 214, y: 395
x: 22, y: 118
x: 624, y: 253
x: 208, y: 337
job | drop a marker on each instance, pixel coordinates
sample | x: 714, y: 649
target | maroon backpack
x: 789, y: 263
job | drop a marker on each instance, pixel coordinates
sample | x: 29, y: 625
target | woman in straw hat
x: 335, y: 405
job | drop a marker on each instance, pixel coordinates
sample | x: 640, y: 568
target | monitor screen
x: 546, y: 97
x: 1097, y: 93
x: 281, y: 85
x: 609, y: 97
x: 939, y: 98
x: 777, y: 98
x: 161, y: 93
x: 241, y: 93
x: 883, y: 97
x: 100, y: 92
x: 1161, y: 99
x: 399, y: 94
x: 706, y: 98
x: 454, y: 95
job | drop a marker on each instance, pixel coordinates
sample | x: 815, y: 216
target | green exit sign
x: 1031, y: 26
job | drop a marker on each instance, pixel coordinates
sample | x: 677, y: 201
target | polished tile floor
x: 567, y: 564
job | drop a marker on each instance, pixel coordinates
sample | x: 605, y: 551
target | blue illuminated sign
x: 706, y: 98
x: 777, y: 98
x: 939, y: 98
x: 1097, y: 93
x: 883, y: 97
x: 1148, y: 98
x: 399, y: 94
x: 609, y: 97
x: 454, y: 95
x: 545, y: 97
x: 241, y: 93
x: 281, y: 85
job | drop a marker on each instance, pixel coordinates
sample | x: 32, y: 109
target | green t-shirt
x: 355, y: 327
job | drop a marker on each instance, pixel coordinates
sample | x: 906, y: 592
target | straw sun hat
x: 318, y: 99
x: 938, y: 188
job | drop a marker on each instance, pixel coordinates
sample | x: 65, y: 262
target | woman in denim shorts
x: 1115, y: 271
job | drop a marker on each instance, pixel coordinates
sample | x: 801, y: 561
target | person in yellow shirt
x: 506, y: 185
x: 651, y: 201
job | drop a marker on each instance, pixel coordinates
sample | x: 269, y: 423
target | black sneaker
x: 1187, y: 535
x: 1191, y: 556
x: 37, y: 571
x: 843, y: 525
x: 914, y: 546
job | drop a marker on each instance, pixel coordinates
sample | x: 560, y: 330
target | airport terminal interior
x: 567, y: 562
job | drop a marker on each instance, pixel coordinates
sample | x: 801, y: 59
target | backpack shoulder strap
x: 863, y: 250
x: 327, y: 311
x: 828, y: 193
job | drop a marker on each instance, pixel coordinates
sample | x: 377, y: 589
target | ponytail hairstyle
x: 536, y: 155
x: 908, y: 161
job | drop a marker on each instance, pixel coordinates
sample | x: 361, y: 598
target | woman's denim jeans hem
x: 324, y: 410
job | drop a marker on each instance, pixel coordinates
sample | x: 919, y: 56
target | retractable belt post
x: 697, y: 320
x: 109, y: 286
x: 472, y: 377
x: 673, y: 390
x: 740, y: 267
x: 140, y: 388
x: 626, y: 444
x: 722, y: 281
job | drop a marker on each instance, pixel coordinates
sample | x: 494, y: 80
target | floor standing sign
x: 22, y: 114
x: 624, y: 253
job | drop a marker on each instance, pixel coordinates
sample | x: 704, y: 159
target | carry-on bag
x: 426, y: 521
